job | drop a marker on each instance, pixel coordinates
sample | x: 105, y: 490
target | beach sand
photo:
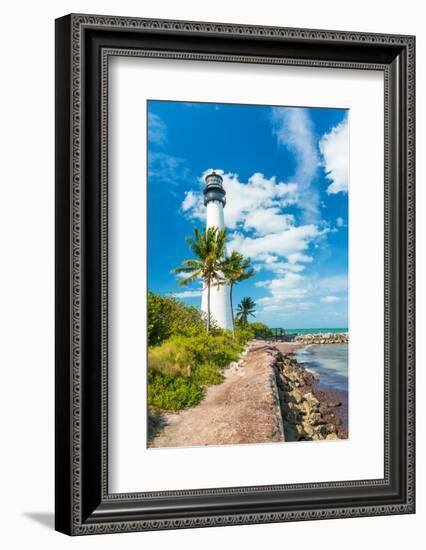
x: 286, y: 347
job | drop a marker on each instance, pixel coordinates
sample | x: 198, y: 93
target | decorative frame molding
x: 84, y: 43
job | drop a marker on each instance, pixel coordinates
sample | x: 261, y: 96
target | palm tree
x: 209, y: 249
x: 245, y: 308
x: 235, y: 269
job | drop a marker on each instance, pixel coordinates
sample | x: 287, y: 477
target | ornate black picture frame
x: 83, y: 45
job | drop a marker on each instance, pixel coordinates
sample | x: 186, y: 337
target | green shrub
x: 217, y: 350
x: 172, y: 392
x: 205, y: 375
x: 244, y: 334
x: 168, y: 316
x: 261, y: 330
x: 170, y: 357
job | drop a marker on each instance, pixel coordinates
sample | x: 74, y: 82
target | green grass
x: 206, y: 375
x: 181, y: 367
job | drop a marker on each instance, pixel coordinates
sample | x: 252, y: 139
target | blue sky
x: 286, y: 172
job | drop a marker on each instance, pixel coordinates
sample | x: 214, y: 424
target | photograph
x: 247, y: 274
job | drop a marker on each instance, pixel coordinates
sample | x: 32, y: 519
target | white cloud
x: 332, y: 285
x: 285, y: 293
x: 253, y: 205
x: 334, y: 148
x: 293, y: 292
x: 168, y: 168
x: 299, y: 257
x: 179, y: 274
x: 330, y: 299
x: 294, y: 129
x: 157, y: 129
x: 294, y: 262
x: 187, y: 294
x: 340, y: 222
x: 190, y: 201
x: 268, y: 220
x: 285, y: 243
x: 284, y: 267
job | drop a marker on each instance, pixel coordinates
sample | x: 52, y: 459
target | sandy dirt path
x: 242, y: 409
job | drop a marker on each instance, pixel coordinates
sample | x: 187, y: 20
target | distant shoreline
x: 309, y: 338
x: 330, y: 330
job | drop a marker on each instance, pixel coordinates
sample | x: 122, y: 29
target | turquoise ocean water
x: 314, y: 330
x: 329, y: 363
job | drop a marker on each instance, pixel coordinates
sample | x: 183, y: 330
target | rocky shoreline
x: 326, y: 338
x: 309, y: 411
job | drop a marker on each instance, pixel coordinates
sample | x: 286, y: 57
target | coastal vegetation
x: 261, y: 330
x: 168, y: 317
x: 187, y: 351
x: 183, y: 357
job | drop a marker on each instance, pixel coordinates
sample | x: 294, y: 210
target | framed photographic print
x: 234, y: 274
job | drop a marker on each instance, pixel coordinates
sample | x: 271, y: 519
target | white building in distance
x: 214, y: 201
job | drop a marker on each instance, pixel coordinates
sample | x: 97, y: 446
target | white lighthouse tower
x: 214, y: 201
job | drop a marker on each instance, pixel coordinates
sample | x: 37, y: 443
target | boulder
x: 308, y: 430
x: 297, y: 396
x: 333, y: 404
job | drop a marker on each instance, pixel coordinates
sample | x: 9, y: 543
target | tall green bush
x: 261, y: 330
x: 168, y: 316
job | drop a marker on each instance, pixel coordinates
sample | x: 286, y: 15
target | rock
x: 334, y: 404
x: 297, y: 396
x: 321, y: 431
x: 305, y: 417
x: 308, y: 430
x: 331, y: 338
x: 315, y: 419
x: 311, y: 400
x: 308, y: 378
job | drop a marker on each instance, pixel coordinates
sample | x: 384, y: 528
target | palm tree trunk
x: 232, y: 309
x: 208, y: 305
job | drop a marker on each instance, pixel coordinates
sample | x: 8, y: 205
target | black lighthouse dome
x: 214, y: 191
